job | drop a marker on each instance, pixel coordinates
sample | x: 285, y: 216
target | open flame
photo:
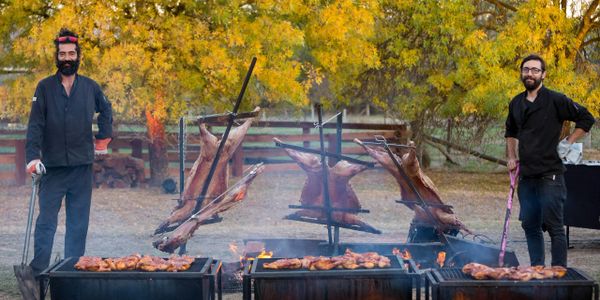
x: 265, y: 254
x: 235, y: 250
x: 405, y: 254
x: 441, y: 258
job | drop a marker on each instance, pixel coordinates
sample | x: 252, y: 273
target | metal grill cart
x: 454, y: 284
x: 200, y: 281
x: 396, y: 282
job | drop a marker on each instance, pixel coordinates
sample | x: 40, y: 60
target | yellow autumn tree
x: 158, y: 60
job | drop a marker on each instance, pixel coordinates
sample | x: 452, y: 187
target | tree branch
x: 502, y: 4
x: 443, y: 151
x: 466, y: 150
x: 590, y: 41
x: 586, y: 24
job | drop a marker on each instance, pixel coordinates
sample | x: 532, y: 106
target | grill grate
x: 67, y: 268
x: 258, y: 267
x: 455, y: 274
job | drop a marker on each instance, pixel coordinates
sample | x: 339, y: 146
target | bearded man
x: 60, y: 142
x: 534, y: 123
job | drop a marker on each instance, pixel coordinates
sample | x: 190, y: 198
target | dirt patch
x: 122, y: 220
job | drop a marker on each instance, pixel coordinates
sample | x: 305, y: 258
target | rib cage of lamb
x: 444, y: 216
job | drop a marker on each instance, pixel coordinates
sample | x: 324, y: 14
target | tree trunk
x: 157, y: 148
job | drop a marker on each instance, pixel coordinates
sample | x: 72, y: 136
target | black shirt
x: 60, y: 126
x: 537, y: 126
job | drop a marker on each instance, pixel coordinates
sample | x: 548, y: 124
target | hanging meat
x: 341, y: 193
x: 199, y: 173
x: 444, y: 215
x: 230, y: 198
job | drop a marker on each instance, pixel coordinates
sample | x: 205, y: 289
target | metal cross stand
x: 230, y: 117
x: 381, y: 141
x: 328, y: 208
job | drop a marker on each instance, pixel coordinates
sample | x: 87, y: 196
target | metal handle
x: 34, y: 185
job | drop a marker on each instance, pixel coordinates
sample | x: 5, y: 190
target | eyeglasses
x: 534, y: 71
x: 68, y: 39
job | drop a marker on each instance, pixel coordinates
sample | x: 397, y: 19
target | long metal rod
x: 34, y: 184
x: 414, y: 190
x: 181, y: 156
x: 328, y: 120
x: 514, y: 175
x: 225, y: 117
x: 213, y: 166
x: 324, y: 169
x: 391, y: 145
x: 329, y: 154
x: 232, y: 116
x: 338, y: 151
x: 428, y: 204
x: 315, y: 207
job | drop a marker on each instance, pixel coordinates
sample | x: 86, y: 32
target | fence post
x: 20, y: 163
x: 306, y: 131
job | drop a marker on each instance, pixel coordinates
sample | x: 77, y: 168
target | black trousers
x: 542, y: 201
x: 74, y: 184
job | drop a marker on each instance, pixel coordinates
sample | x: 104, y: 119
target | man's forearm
x: 576, y: 135
x: 511, y: 148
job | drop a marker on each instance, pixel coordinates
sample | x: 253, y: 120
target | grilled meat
x: 350, y: 260
x: 341, y: 193
x: 199, y: 173
x: 185, y: 231
x: 287, y: 263
x: 423, y: 184
x: 134, y: 262
x: 480, y: 272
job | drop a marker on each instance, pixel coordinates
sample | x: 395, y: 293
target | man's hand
x: 563, y: 148
x: 36, y: 167
x: 101, y: 146
x: 512, y: 164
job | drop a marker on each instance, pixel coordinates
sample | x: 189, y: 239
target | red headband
x: 66, y: 39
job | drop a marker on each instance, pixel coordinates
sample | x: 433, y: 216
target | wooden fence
x: 255, y: 147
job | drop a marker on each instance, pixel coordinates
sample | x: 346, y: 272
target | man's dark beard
x: 531, y: 86
x: 69, y: 70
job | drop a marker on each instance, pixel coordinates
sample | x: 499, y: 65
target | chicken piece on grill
x: 232, y: 197
x: 479, y: 271
x: 324, y: 263
x: 559, y: 271
x: 422, y: 183
x: 179, y: 263
x: 349, y: 260
x: 341, y: 193
x: 286, y: 263
x: 124, y: 263
x: 92, y: 263
x: 152, y: 264
x: 199, y: 173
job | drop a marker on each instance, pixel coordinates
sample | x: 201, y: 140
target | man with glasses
x: 60, y: 140
x: 534, y: 124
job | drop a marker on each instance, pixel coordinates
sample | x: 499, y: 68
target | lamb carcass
x: 199, y: 173
x: 341, y: 193
x: 222, y: 203
x: 425, y: 187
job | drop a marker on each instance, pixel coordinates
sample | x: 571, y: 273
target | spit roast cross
x: 327, y: 197
x: 427, y: 207
x: 191, y: 201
